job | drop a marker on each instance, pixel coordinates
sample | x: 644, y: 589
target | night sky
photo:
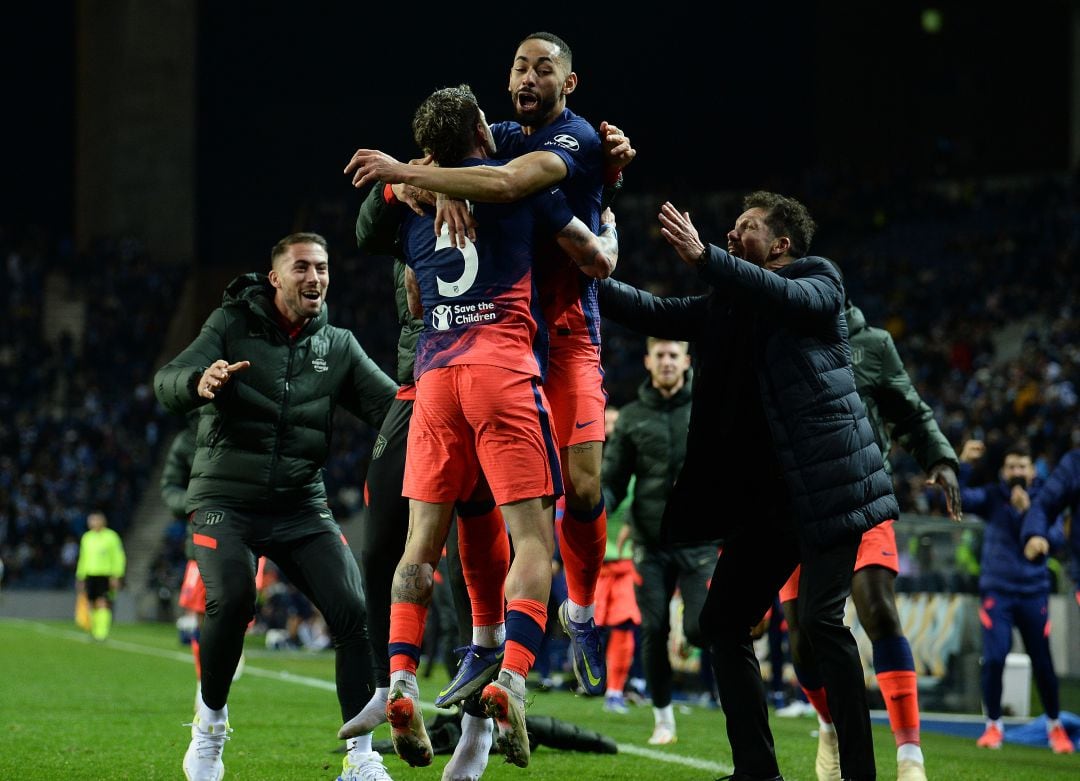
x: 288, y: 91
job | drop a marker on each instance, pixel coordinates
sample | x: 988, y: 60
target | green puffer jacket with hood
x: 893, y: 405
x: 263, y: 441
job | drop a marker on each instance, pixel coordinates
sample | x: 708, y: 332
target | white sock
x: 489, y: 635
x: 517, y: 680
x: 910, y: 751
x: 370, y: 716
x: 1052, y: 724
x: 360, y: 744
x: 613, y: 693
x: 409, y: 679
x: 997, y: 723
x: 665, y: 715
x: 208, y: 715
x: 825, y: 726
x: 579, y: 614
x: 471, y: 753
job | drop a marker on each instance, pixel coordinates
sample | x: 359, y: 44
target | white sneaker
x: 202, y: 762
x: 663, y: 734
x: 363, y: 766
x: 795, y: 709
x: 827, y: 763
x: 910, y: 770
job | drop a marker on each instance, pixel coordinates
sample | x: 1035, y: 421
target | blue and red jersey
x: 567, y: 296
x: 480, y: 302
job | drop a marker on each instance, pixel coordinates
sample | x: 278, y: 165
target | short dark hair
x: 566, y: 57
x: 785, y: 217
x: 443, y: 125
x: 1017, y: 448
x: 282, y: 246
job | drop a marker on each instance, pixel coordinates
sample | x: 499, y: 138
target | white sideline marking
x: 318, y: 683
x: 675, y: 759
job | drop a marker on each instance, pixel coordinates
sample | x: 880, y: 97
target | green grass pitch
x: 74, y: 709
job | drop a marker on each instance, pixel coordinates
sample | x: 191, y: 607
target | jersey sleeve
x: 553, y: 212
x: 576, y: 142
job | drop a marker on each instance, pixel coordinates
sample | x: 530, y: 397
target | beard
x: 535, y: 115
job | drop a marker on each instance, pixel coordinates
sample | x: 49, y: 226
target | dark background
x: 738, y: 98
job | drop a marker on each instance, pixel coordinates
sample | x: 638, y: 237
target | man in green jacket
x: 895, y: 410
x: 99, y: 572
x: 267, y: 371
x: 649, y: 445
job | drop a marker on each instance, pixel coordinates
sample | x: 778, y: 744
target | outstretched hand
x: 217, y: 375
x: 680, y: 233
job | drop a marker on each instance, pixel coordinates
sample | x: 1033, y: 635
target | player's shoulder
x: 572, y: 133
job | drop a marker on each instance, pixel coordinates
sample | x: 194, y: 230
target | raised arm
x: 816, y: 291
x: 485, y: 183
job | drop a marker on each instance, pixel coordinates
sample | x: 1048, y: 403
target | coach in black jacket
x: 781, y: 460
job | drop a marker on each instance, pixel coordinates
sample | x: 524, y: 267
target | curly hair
x: 785, y: 217
x: 444, y: 123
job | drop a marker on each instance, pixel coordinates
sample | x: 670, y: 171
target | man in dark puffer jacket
x: 267, y: 371
x: 781, y: 460
x: 896, y: 411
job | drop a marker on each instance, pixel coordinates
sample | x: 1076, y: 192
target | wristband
x: 700, y: 262
x: 388, y: 194
x: 613, y: 181
x: 608, y: 227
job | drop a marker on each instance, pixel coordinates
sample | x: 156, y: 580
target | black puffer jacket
x: 265, y: 438
x: 649, y: 444
x: 821, y: 439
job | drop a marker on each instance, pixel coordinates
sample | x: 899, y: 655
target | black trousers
x: 662, y: 568
x: 757, y: 558
x: 382, y: 539
x: 307, y: 546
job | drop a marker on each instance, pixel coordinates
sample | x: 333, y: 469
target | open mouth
x: 312, y: 295
x: 527, y: 101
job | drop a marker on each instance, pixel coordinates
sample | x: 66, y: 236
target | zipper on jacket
x: 284, y: 410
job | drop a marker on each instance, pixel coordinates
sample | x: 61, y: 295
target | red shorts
x: 473, y: 418
x: 615, y: 600
x: 192, y: 589
x: 575, y: 386
x: 877, y: 549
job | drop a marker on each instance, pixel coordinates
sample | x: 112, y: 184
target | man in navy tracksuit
x: 1014, y: 589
